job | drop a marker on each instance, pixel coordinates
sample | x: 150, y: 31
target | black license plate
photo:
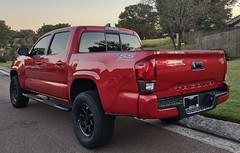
x: 191, y: 101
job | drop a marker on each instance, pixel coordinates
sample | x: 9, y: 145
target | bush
x: 3, y: 59
x: 226, y: 55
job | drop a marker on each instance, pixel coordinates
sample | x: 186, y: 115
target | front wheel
x: 92, y: 127
x: 17, y: 99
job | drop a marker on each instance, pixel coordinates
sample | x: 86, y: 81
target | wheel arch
x: 13, y: 73
x: 80, y: 85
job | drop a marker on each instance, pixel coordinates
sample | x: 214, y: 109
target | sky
x: 32, y: 14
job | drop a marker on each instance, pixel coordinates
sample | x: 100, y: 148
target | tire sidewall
x: 91, y: 102
x: 14, y: 101
x: 20, y: 100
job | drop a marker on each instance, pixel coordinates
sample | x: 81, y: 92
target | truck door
x: 34, y: 64
x: 54, y: 67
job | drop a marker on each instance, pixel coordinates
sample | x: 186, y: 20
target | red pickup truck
x: 102, y: 72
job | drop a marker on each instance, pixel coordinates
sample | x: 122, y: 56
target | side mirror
x: 23, y: 51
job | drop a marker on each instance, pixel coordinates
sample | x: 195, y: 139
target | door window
x: 42, y: 46
x: 59, y: 43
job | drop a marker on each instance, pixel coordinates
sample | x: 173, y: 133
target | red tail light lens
x: 146, y: 76
x: 146, y: 70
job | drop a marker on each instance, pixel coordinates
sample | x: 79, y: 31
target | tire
x: 17, y: 99
x: 171, y: 120
x: 91, y: 126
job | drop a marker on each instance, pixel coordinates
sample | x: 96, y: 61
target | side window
x: 92, y: 42
x: 130, y: 42
x: 59, y: 43
x: 42, y: 46
x: 113, y: 42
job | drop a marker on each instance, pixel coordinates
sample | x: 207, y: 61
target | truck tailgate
x: 183, y: 72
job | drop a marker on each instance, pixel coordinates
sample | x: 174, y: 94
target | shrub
x: 227, y: 55
x: 3, y: 59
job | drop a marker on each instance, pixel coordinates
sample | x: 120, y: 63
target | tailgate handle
x: 197, y: 65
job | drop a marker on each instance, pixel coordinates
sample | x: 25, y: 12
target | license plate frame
x: 191, y: 101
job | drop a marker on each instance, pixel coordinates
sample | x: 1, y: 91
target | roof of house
x: 234, y: 21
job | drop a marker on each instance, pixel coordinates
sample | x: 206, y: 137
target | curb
x: 216, y: 127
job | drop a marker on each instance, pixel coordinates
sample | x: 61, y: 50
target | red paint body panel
x: 116, y: 79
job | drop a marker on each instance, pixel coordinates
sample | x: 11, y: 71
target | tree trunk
x: 179, y: 47
x: 173, y: 40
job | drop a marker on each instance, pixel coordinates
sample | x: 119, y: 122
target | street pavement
x: 39, y: 128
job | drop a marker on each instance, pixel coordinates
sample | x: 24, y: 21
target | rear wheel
x: 17, y: 99
x: 92, y: 127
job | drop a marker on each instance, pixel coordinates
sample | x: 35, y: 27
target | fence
x: 189, y: 37
x: 228, y: 41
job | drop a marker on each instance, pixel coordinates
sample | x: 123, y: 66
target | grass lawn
x: 230, y: 110
x: 164, y: 44
x: 7, y: 64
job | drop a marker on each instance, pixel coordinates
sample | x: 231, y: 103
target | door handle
x: 59, y: 63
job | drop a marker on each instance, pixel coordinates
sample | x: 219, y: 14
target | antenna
x: 108, y: 25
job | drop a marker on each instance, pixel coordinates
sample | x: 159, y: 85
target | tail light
x: 146, y: 75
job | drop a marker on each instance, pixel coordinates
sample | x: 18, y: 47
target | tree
x: 177, y: 16
x: 26, y: 37
x: 140, y: 18
x: 46, y: 28
x: 4, y: 34
x: 219, y: 11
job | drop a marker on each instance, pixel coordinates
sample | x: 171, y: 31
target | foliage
x: 219, y: 11
x: 26, y: 38
x: 141, y: 18
x: 4, y: 34
x: 46, y: 28
x: 10, y: 40
x: 3, y: 59
x: 177, y: 16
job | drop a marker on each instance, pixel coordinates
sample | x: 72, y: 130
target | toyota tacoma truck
x: 100, y: 72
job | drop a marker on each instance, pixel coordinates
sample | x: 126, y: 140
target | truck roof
x: 96, y: 28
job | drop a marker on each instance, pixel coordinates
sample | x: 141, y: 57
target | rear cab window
x: 107, y: 42
x: 92, y: 42
x: 113, y: 42
x: 130, y: 42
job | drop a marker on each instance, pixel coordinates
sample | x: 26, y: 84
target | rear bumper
x: 150, y: 107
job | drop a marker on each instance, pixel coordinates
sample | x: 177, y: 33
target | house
x: 234, y: 22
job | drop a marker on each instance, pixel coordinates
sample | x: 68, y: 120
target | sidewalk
x: 5, y: 71
x: 220, y: 128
